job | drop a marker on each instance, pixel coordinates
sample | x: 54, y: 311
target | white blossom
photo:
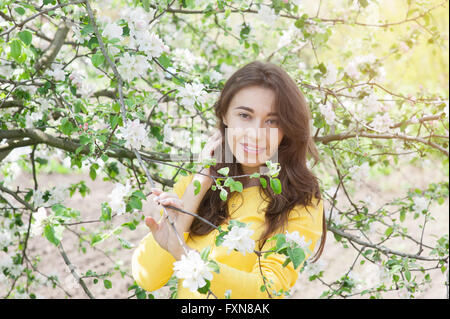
x: 6, y: 70
x: 134, y: 134
x: 360, y: 173
x: 20, y: 295
x: 404, y: 293
x: 39, y: 220
x: 137, y: 18
x: 150, y: 43
x: 352, y: 69
x: 335, y: 218
x: 382, y: 122
x: 117, y: 197
x: 267, y: 15
x: 132, y: 66
x: 295, y: 237
x: 192, y: 93
x: 185, y: 60
x: 239, y: 238
x: 193, y: 269
x: 168, y: 134
x: 375, y: 275
x: 371, y: 103
x: 357, y: 281
x: 57, y: 72
x: 5, y: 238
x: 312, y: 27
x: 78, y: 36
x: 3, y: 279
x: 15, y: 270
x: 313, y: 269
x: 215, y: 76
x: 331, y: 75
x: 77, y: 79
x: 6, y: 262
x: 328, y: 112
x: 227, y: 70
x: 56, y: 195
x: 32, y: 117
x: 420, y: 203
x: 112, y: 30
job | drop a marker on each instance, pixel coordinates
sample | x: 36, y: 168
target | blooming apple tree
x: 119, y: 87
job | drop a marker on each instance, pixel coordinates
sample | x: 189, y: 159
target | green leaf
x: 92, y: 173
x: 275, y: 184
x: 205, y: 288
x: 236, y: 186
x: 197, y: 187
x: 220, y: 238
x: 263, y: 182
x: 389, y: 231
x: 224, y: 171
x: 53, y: 234
x: 20, y: 10
x: 297, y: 256
x: 322, y: 68
x: 125, y: 243
x: 146, y: 5
x: 164, y: 61
x: 223, y: 194
x: 16, y: 49
x: 139, y: 194
x: 106, y: 213
x: 135, y: 203
x: 97, y: 59
x: 25, y: 36
x: 205, y: 253
x: 407, y: 275
x: 363, y: 3
x: 66, y: 126
x: 215, y: 266
x: 107, y: 284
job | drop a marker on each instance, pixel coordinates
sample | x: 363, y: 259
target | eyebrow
x: 251, y: 110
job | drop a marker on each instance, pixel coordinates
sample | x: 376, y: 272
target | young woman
x: 262, y: 114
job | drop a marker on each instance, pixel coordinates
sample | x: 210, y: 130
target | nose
x: 255, y: 134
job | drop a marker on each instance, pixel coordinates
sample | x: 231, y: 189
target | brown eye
x: 240, y: 114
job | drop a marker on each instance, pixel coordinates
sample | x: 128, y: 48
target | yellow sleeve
x: 151, y: 265
x: 247, y: 285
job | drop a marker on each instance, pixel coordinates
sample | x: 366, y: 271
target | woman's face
x: 253, y: 132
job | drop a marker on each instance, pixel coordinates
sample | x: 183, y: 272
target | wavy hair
x: 298, y: 183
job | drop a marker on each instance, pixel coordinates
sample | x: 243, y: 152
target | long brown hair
x: 299, y: 184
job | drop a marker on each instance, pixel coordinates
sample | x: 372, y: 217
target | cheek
x: 274, y: 138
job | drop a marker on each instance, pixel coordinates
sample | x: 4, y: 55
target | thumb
x: 151, y: 223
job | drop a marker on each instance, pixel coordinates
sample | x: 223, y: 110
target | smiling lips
x: 252, y: 149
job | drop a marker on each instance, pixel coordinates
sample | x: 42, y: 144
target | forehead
x: 261, y: 100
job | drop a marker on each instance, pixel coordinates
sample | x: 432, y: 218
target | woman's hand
x: 163, y: 232
x: 214, y: 141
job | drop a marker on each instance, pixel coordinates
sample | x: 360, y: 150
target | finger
x: 173, y: 202
x: 151, y: 223
x: 167, y: 195
x: 156, y: 191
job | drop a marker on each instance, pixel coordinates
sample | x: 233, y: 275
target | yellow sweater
x: 152, y: 266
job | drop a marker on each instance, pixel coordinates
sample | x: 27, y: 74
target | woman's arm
x: 152, y: 266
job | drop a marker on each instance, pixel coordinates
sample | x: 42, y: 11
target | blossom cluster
x: 193, y: 270
x: 134, y: 134
x: 117, y: 197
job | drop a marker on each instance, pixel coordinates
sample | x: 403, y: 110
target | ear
x: 224, y: 120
